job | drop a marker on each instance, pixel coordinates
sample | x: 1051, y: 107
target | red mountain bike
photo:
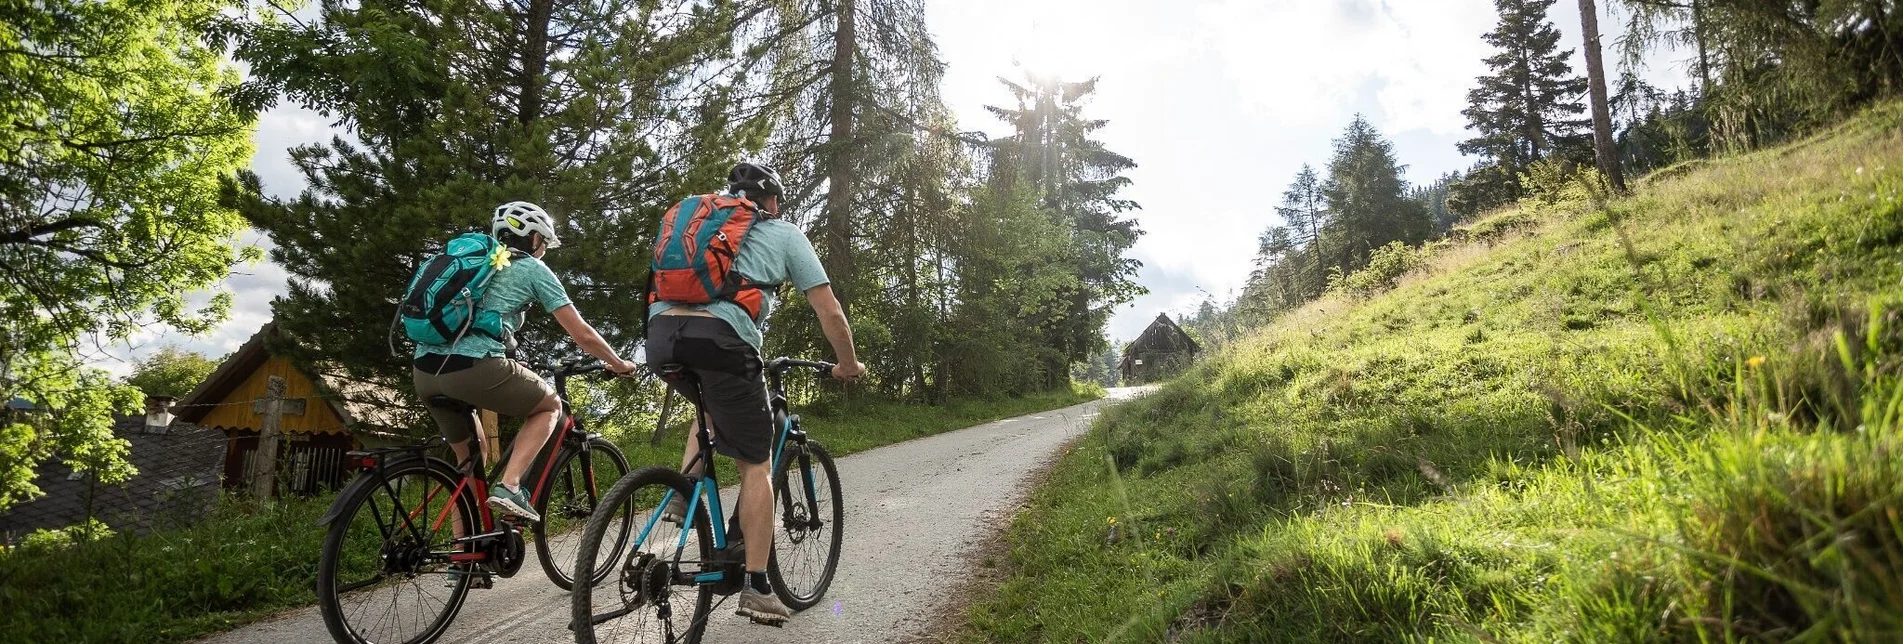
x: 411, y: 534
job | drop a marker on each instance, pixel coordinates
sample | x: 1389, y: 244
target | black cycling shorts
x: 732, y: 384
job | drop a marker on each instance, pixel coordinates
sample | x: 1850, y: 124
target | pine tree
x: 1526, y: 109
x: 1434, y: 198
x: 1778, y: 68
x: 1303, y: 208
x: 1367, y: 201
x: 1077, y: 180
x: 593, y: 110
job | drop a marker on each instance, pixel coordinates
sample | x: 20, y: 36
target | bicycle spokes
x: 388, y: 564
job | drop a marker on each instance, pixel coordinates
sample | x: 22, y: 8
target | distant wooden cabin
x: 1163, y: 350
x: 324, y: 416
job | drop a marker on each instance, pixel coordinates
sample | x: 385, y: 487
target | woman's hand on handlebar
x: 621, y: 367
x: 849, y: 371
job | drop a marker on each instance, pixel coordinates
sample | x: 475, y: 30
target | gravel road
x: 915, y: 513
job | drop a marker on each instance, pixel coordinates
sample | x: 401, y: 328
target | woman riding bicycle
x: 475, y: 367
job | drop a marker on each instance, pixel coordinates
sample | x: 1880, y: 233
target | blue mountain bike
x: 668, y: 576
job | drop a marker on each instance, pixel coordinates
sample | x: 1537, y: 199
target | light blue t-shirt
x: 526, y: 280
x: 775, y: 252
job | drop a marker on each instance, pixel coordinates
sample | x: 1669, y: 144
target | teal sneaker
x: 513, y: 502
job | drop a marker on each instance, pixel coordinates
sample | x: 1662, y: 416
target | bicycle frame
x: 707, y: 485
x: 474, y: 479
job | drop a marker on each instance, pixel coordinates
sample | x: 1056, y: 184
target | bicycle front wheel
x: 383, y: 576
x: 570, y: 499
x: 652, y: 595
x: 806, y: 551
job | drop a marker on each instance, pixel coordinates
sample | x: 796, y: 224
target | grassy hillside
x: 1673, y: 417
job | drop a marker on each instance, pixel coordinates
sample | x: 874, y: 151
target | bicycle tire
x: 642, y: 491
x: 579, y: 500
x: 798, y: 528
x: 374, y: 490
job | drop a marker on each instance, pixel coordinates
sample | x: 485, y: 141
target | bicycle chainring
x: 508, y: 552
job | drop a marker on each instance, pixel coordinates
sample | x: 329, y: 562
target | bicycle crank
x: 506, y: 551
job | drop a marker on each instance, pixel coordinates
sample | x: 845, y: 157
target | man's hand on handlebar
x: 848, y: 372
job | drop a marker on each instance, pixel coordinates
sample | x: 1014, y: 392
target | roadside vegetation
x: 1673, y: 416
x: 247, y: 562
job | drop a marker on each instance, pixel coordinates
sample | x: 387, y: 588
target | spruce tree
x: 1526, y: 109
x: 593, y: 110
x: 1303, y: 207
x: 1077, y: 179
x: 1367, y: 199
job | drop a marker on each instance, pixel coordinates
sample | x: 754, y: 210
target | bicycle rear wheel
x: 573, y: 497
x: 651, y: 595
x: 806, y: 551
x: 383, y: 575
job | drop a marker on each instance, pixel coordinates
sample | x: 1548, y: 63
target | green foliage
x: 598, y: 112
x: 1385, y: 267
x: 1525, y: 109
x: 171, y: 372
x: 1769, y: 70
x: 165, y: 587
x: 1666, y: 419
x: 1336, y: 225
x: 1075, y: 180
x: 117, y: 122
x: 44, y: 541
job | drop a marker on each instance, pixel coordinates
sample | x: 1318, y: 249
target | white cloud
x: 1305, y: 63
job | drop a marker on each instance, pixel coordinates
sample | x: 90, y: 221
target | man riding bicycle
x: 720, y: 341
x: 475, y: 367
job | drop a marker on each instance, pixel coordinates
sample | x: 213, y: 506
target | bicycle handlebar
x: 781, y: 365
x: 572, y: 366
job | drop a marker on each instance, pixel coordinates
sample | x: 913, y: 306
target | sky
x: 1220, y: 102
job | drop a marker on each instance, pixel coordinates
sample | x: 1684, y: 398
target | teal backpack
x: 441, y: 304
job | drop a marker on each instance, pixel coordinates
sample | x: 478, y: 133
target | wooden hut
x: 320, y: 417
x: 1163, y: 350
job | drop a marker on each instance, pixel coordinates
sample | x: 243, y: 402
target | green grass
x: 1673, y: 417
x: 241, y: 564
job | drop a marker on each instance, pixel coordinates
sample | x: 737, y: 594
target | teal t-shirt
x: 526, y: 280
x: 775, y: 252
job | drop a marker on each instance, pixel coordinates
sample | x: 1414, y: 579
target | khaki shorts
x: 500, y: 385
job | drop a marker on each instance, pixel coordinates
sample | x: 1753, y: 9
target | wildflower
x: 1754, y: 362
x: 1110, y: 520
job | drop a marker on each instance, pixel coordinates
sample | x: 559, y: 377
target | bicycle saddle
x: 675, y: 371
x: 452, y: 404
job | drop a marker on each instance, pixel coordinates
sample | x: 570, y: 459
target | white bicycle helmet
x: 521, y: 218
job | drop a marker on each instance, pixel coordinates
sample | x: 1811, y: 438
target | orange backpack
x: 694, y: 254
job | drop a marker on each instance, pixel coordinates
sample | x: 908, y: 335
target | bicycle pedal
x: 482, y: 581
x: 776, y: 623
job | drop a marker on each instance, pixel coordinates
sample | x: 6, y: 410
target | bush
x: 1386, y: 266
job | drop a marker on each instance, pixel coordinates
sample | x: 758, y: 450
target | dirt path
x: 915, y: 512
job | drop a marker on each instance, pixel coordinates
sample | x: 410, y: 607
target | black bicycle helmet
x: 754, y: 180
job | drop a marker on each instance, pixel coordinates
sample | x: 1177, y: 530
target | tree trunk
x: 534, y: 60
x: 1603, y: 149
x: 1704, y: 59
x: 839, y: 171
